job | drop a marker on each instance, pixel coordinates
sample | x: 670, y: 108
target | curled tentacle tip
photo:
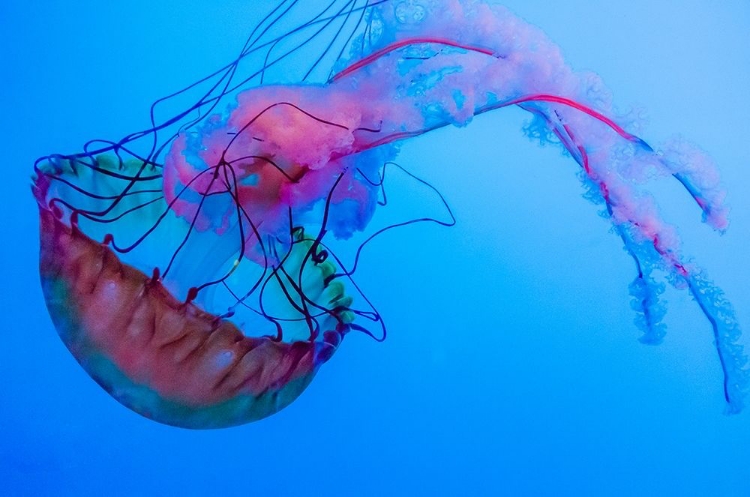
x: 155, y: 276
x: 644, y: 145
x: 191, y: 295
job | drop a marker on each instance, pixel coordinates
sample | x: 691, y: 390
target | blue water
x: 512, y: 365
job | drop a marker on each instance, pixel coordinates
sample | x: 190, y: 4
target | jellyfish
x: 192, y: 268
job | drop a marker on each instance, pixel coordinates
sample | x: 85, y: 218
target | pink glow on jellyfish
x: 250, y: 195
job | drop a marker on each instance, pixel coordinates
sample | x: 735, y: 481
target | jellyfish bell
x: 163, y: 356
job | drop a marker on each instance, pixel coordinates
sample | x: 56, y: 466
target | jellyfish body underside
x: 165, y: 359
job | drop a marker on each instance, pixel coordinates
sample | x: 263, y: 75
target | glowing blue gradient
x: 514, y: 368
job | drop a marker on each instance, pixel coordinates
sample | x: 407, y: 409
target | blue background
x: 512, y: 365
